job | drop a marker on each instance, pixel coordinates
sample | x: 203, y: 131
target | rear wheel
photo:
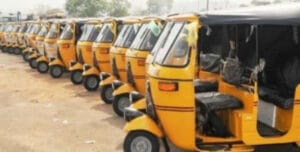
x: 119, y: 103
x: 42, y: 67
x: 10, y: 50
x: 91, y: 83
x: 141, y: 141
x: 33, y: 63
x: 76, y: 76
x: 106, y: 94
x: 56, y: 71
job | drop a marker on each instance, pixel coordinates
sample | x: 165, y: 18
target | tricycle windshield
x: 67, y: 33
x: 173, y: 49
x: 23, y: 28
x: 16, y: 28
x: 106, y: 35
x: 35, y: 29
x: 90, y: 32
x: 43, y: 31
x: 53, y: 31
x: 146, y: 37
x: 126, y: 36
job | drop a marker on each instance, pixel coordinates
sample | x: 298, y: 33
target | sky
x: 28, y: 6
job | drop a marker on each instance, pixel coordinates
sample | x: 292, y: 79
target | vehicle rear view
x: 117, y: 58
x: 84, y: 50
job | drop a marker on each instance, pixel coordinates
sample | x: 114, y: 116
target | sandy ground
x: 41, y: 114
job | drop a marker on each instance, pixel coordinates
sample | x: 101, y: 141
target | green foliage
x: 85, y: 8
x: 118, y: 8
x: 159, y: 7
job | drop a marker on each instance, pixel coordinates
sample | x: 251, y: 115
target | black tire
x: 139, y: 141
x: 76, y: 76
x: 42, y: 67
x: 56, y: 71
x: 4, y: 49
x: 26, y: 56
x: 17, y: 51
x: 33, y: 63
x: 10, y: 50
x: 106, y: 94
x: 119, y: 103
x: 91, y: 83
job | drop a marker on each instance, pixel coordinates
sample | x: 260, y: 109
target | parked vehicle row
x: 212, y: 81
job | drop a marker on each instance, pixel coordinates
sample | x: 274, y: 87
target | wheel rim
x: 77, y: 76
x: 43, y: 67
x: 123, y: 103
x: 92, y: 82
x: 56, y: 71
x: 108, y: 93
x: 141, y: 144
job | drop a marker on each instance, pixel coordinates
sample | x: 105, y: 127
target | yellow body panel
x: 77, y: 66
x: 92, y: 71
x: 42, y: 59
x: 56, y: 62
x: 119, y: 55
x: 101, y: 51
x: 67, y: 51
x: 86, y: 50
x: 140, y: 104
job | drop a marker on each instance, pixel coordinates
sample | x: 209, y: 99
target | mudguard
x: 91, y: 71
x: 56, y: 61
x: 125, y: 88
x: 42, y: 59
x: 107, y: 81
x: 140, y: 104
x: 77, y: 66
x: 145, y: 123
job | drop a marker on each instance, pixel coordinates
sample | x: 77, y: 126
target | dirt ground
x: 41, y: 114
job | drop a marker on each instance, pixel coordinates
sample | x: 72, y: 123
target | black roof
x: 287, y: 14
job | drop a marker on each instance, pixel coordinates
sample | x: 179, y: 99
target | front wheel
x: 141, y: 141
x: 42, y: 67
x: 33, y: 63
x: 76, y: 76
x: 17, y: 51
x: 56, y: 71
x: 26, y: 56
x: 119, y: 103
x: 106, y: 93
x: 91, y: 83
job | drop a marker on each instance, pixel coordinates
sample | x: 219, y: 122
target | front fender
x: 33, y: 56
x: 145, y: 123
x: 125, y: 88
x: 56, y: 61
x: 26, y: 50
x: 42, y: 59
x: 91, y: 71
x: 139, y: 105
x: 107, y: 81
x: 77, y: 66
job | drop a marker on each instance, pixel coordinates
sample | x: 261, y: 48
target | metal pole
x: 207, y: 5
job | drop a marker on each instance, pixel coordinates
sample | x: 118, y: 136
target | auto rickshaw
x: 258, y: 91
x: 12, y: 38
x: 51, y: 47
x: 39, y: 45
x: 117, y: 58
x: 31, y: 36
x: 4, y: 29
x: 21, y: 43
x: 66, y: 48
x: 111, y: 27
x: 84, y: 49
x: 141, y: 47
x: 25, y: 51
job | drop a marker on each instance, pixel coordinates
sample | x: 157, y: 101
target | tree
x: 85, y: 8
x: 159, y: 7
x: 118, y: 8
